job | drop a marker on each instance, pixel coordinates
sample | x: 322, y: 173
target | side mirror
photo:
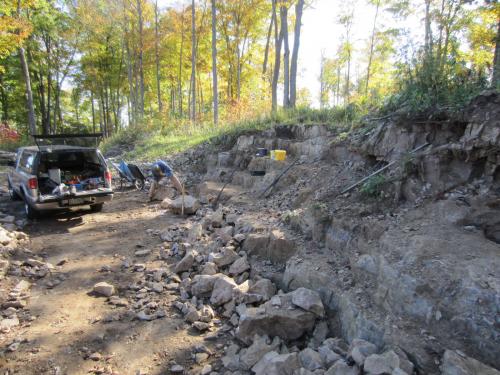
x: 11, y: 163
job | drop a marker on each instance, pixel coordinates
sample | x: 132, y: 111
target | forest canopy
x: 107, y: 65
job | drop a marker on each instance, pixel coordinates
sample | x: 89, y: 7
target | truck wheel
x: 31, y: 213
x: 13, y: 195
x: 96, y: 207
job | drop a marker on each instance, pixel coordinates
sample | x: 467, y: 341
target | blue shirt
x: 165, y: 168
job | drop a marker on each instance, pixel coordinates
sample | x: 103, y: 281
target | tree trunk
x: 93, y: 109
x: 295, y: 53
x: 372, y: 45
x: 286, y: 57
x: 215, y: 93
x: 27, y: 81
x: 278, y: 40
x: 29, y: 93
x: 141, y: 52
x: 179, y: 78
x: 496, y: 60
x: 193, y: 61
x: 4, y: 100
x: 268, y: 40
x: 157, y: 56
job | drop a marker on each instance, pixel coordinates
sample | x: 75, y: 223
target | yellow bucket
x: 278, y: 155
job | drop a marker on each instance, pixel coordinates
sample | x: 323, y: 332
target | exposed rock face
x: 456, y: 363
x: 285, y: 321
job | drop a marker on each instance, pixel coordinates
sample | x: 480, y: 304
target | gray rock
x: 457, y: 363
x: 285, y: 321
x: 203, y: 284
x: 104, y: 289
x: 360, y: 349
x: 277, y: 364
x: 385, y: 363
x: 308, y: 300
x: 231, y: 359
x: 264, y: 288
x: 223, y: 290
x: 328, y: 356
x: 257, y: 350
x: 367, y: 263
x: 177, y: 369
x: 142, y: 253
x: 310, y: 359
x: 185, y: 263
x: 239, y: 266
x: 225, y: 258
x: 191, y: 205
x: 7, y: 324
x: 342, y: 368
x: 209, y: 269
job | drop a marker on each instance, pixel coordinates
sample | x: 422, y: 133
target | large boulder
x: 457, y: 363
x: 281, y: 319
x: 191, y: 205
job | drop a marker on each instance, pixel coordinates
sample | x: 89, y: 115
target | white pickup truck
x: 58, y: 177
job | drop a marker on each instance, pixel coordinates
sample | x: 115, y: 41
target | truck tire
x: 12, y: 193
x: 96, y: 207
x: 31, y: 212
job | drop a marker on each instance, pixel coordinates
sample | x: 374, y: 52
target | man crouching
x: 162, y: 174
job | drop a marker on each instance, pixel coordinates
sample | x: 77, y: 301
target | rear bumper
x: 68, y: 202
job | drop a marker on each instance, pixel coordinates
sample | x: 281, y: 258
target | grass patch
x: 153, y: 142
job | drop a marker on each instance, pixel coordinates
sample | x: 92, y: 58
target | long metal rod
x: 380, y: 170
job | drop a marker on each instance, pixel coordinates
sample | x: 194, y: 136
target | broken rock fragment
x: 191, y: 205
x: 223, y: 290
x: 308, y: 300
x: 104, y: 289
x: 285, y: 320
x: 273, y: 364
x: 239, y: 266
x: 457, y: 363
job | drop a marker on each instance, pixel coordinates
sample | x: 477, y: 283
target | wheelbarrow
x: 130, y: 173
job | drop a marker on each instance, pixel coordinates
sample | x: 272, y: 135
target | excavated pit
x: 414, y: 267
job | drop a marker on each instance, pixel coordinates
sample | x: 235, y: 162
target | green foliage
x: 373, y: 186
x: 156, y: 140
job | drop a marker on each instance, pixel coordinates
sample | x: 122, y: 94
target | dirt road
x: 75, y: 332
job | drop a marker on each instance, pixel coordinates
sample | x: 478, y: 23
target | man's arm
x: 177, y: 183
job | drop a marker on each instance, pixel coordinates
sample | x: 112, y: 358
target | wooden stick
x: 380, y: 170
x: 278, y: 178
x: 182, y: 207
